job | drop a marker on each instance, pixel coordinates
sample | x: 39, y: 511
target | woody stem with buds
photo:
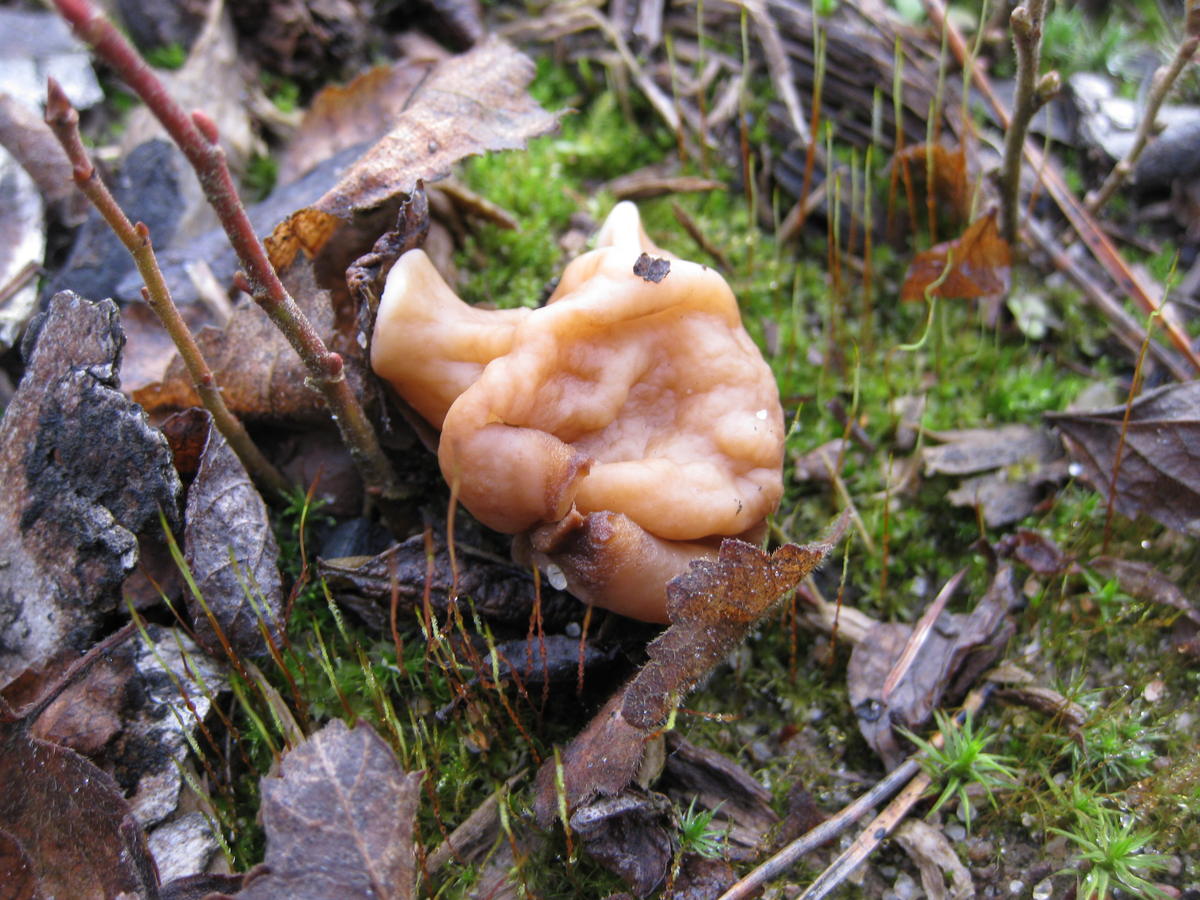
x: 64, y: 122
x: 196, y: 135
x: 1026, y: 22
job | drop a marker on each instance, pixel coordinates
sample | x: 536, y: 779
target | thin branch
x: 196, y: 135
x: 869, y: 838
x: 1085, y: 226
x: 1164, y: 79
x: 1026, y: 21
x: 782, y: 861
x: 64, y: 122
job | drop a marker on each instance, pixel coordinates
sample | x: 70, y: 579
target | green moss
x: 547, y: 184
x: 170, y: 56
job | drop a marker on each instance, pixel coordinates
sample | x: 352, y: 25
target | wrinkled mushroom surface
x: 621, y: 430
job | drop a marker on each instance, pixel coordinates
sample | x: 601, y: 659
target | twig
x: 1164, y: 79
x: 1026, y: 22
x: 920, y: 633
x: 64, y: 122
x: 196, y: 135
x: 1083, y: 223
x: 778, y: 864
x: 1126, y: 328
x: 778, y: 64
x: 870, y: 837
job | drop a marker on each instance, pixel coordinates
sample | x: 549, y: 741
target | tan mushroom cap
x: 624, y: 405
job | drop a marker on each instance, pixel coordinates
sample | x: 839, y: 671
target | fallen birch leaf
x: 83, y: 474
x: 1035, y: 551
x: 339, y: 820
x: 1158, y: 451
x: 470, y: 104
x: 1026, y: 460
x: 1143, y: 581
x: 231, y: 551
x: 87, y: 714
x: 969, y: 451
x: 950, y: 185
x: 979, y: 265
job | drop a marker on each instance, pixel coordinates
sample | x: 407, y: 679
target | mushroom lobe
x: 622, y: 429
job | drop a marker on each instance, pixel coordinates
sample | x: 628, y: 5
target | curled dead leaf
x: 631, y: 834
x: 67, y: 829
x: 975, y: 264
x: 261, y: 376
x: 954, y: 652
x: 712, y: 607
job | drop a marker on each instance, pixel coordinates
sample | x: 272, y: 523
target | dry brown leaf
x: 955, y: 651
x: 500, y: 592
x: 68, y: 832
x: 943, y: 875
x: 470, y: 104
x: 149, y: 350
x: 16, y: 870
x: 1026, y: 459
x: 342, y: 116
x: 969, y: 451
x: 83, y: 474
x: 260, y: 375
x: 949, y: 168
x: 87, y: 715
x: 631, y: 834
x: 339, y: 820
x: 979, y: 265
x: 1143, y: 581
x: 1035, y: 551
x: 232, y: 554
x: 712, y: 606
x: 1158, y: 451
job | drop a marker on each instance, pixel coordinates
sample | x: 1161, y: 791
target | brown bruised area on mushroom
x: 619, y: 432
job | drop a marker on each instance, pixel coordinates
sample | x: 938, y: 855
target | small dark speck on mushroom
x: 651, y: 268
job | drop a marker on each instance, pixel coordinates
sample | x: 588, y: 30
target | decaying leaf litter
x: 471, y: 669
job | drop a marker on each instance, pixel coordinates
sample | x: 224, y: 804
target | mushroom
x: 619, y: 432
